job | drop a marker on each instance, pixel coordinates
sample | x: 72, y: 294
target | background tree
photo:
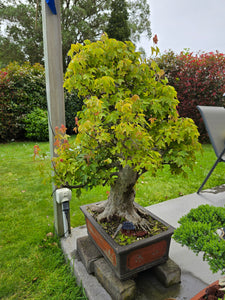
x: 129, y: 125
x: 118, y: 27
x: 21, y: 29
x: 139, y: 19
x: 21, y: 32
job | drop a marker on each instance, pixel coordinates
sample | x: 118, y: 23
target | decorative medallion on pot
x: 128, y: 260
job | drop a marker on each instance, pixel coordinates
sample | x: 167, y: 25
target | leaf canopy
x: 129, y: 115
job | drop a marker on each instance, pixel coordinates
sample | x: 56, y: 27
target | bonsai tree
x: 128, y: 125
x: 202, y: 230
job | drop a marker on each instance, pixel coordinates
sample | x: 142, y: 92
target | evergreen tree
x: 21, y: 36
x: 118, y: 26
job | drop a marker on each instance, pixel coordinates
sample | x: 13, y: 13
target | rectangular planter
x: 129, y: 260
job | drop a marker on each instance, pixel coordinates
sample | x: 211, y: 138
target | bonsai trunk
x: 120, y: 202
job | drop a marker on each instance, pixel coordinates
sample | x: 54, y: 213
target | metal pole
x: 54, y: 85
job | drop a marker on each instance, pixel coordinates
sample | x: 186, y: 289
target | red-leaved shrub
x: 199, y: 79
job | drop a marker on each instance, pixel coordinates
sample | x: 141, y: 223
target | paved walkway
x: 195, y: 272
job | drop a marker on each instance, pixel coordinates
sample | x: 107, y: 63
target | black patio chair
x: 214, y: 120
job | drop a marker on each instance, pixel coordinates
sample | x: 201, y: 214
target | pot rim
x: 141, y: 243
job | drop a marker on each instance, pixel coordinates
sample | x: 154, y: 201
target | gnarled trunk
x: 121, y: 199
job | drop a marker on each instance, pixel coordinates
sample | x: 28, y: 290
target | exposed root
x: 144, y: 225
x: 98, y: 208
x: 137, y: 216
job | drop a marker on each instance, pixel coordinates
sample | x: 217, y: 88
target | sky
x: 195, y: 24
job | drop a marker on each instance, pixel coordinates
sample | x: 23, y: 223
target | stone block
x: 168, y: 273
x: 88, y: 253
x: 119, y: 290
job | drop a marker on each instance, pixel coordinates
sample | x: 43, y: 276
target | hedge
x: 22, y: 92
x: 22, y: 87
x: 199, y: 79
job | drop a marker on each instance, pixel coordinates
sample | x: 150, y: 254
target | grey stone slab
x: 88, y: 253
x: 91, y: 285
x: 119, y: 290
x: 172, y: 210
x: 168, y: 273
x: 149, y: 288
x: 69, y: 244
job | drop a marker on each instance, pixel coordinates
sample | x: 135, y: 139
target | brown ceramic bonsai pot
x: 209, y: 291
x: 129, y: 260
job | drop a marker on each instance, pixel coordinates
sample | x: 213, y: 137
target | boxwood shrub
x: 36, y: 125
x: 198, y: 231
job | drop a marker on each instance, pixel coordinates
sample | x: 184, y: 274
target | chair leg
x: 219, y: 159
x: 210, y: 172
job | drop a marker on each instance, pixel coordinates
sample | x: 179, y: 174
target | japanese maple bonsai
x: 129, y: 125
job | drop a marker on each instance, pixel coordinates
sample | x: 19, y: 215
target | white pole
x: 54, y: 85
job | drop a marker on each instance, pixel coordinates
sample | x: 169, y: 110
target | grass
x: 164, y: 186
x: 32, y: 263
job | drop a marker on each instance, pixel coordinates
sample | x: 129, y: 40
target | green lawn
x: 32, y: 263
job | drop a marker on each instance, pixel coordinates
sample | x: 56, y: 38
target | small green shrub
x: 37, y: 125
x: 198, y: 233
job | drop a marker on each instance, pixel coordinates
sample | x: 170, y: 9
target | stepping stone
x: 88, y: 253
x: 168, y: 273
x: 118, y: 289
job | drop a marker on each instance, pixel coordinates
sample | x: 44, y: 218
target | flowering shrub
x: 198, y: 80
